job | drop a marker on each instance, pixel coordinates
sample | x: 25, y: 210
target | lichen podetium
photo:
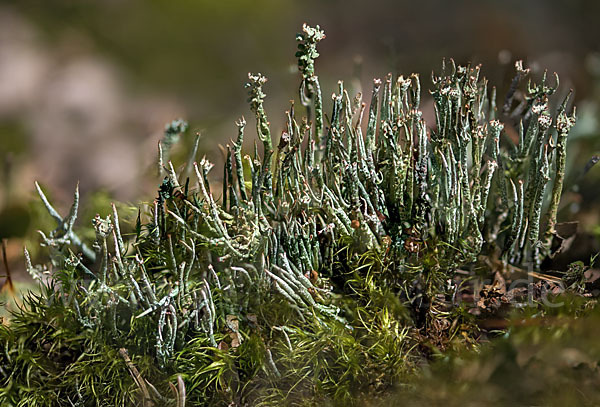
x: 324, y: 263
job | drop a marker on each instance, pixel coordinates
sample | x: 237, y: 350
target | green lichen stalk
x: 310, y: 87
x: 325, y: 262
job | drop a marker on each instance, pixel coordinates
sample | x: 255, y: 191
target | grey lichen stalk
x: 455, y: 189
x: 406, y: 184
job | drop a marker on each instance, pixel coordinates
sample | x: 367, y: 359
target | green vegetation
x: 330, y: 270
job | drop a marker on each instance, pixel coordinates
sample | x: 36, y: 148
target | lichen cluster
x: 321, y: 268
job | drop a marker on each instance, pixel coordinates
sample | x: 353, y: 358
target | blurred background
x: 87, y: 86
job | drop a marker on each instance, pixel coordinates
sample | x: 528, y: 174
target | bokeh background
x: 87, y: 86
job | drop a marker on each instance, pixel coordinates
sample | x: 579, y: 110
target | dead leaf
x: 563, y: 237
x: 233, y: 328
